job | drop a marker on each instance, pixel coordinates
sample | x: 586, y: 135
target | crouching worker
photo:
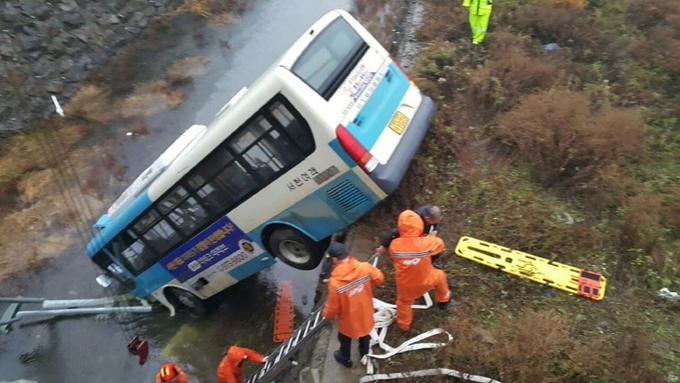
x: 350, y: 298
x: 412, y: 255
x: 171, y: 373
x: 230, y: 369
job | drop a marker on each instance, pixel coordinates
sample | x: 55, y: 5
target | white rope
x: 430, y: 372
x: 385, y: 314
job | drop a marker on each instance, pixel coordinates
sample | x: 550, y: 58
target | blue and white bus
x: 312, y: 145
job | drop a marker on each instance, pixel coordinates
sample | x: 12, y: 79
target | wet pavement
x: 89, y: 349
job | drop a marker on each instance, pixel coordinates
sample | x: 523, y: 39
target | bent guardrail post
x: 67, y: 307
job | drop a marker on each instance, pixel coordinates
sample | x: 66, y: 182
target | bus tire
x: 186, y: 301
x: 295, y: 249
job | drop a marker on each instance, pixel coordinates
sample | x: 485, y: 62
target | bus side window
x: 299, y: 133
x: 132, y: 252
x: 220, y: 183
x: 265, y: 148
x: 157, y: 233
x: 183, y: 210
x: 162, y: 237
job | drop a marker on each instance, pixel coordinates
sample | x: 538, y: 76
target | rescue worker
x: 171, y: 373
x: 350, y: 298
x: 412, y: 255
x: 230, y: 369
x: 431, y: 216
x: 480, y: 13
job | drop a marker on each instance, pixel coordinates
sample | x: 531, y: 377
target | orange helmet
x: 168, y: 372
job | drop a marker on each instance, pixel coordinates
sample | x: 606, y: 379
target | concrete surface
x: 334, y: 372
x: 361, y: 247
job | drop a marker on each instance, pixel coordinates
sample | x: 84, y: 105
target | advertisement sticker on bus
x: 221, y: 247
x: 359, y: 86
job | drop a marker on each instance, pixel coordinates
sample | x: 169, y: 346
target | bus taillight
x: 355, y: 150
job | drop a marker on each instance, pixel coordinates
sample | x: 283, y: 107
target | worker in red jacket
x: 171, y: 373
x: 350, y: 298
x: 230, y: 369
x: 412, y: 255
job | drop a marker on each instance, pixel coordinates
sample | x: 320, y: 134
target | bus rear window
x: 330, y: 58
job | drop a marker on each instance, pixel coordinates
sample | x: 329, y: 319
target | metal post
x: 67, y: 307
x: 72, y: 303
x: 83, y: 311
x: 21, y: 300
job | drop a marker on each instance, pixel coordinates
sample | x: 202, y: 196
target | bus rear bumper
x: 388, y: 177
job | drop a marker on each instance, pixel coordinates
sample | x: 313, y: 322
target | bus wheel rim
x: 294, y: 251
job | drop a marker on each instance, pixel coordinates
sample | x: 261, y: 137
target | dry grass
x: 92, y: 103
x: 187, y: 68
x: 44, y: 218
x: 151, y: 98
x: 576, y: 4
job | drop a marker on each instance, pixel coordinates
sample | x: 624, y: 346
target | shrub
x: 499, y: 84
x: 641, y: 227
x: 446, y: 19
x: 564, y: 141
x: 645, y: 14
x: 571, y: 27
x: 541, y: 337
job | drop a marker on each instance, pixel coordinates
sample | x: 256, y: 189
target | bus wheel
x: 295, y: 249
x: 184, y: 300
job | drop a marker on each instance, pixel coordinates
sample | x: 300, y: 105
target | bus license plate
x: 398, y: 123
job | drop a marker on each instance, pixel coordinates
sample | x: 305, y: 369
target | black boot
x: 345, y: 362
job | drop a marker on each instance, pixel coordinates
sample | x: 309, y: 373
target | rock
x: 82, y: 36
x: 65, y: 63
x: 159, y: 3
x: 138, y: 20
x: 36, y: 54
x: 113, y: 19
x: 84, y: 62
x: 45, y: 68
x: 35, y: 10
x: 75, y: 74
x: 30, y: 43
x: 6, y: 51
x: 55, y: 87
x: 74, y: 20
x: 134, y: 31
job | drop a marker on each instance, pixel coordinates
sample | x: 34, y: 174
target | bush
x: 499, y: 84
x: 567, y: 26
x: 645, y: 14
x: 564, y: 141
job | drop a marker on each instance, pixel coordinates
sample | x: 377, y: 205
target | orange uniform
x: 230, y: 369
x: 415, y: 275
x: 178, y: 376
x: 350, y: 296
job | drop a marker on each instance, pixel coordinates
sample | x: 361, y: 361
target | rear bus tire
x: 295, y: 249
x: 186, y: 301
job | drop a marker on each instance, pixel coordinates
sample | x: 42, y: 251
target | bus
x: 320, y: 138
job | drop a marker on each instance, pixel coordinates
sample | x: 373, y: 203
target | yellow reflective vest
x: 479, y: 7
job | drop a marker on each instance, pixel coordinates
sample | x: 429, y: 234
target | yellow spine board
x: 558, y: 275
